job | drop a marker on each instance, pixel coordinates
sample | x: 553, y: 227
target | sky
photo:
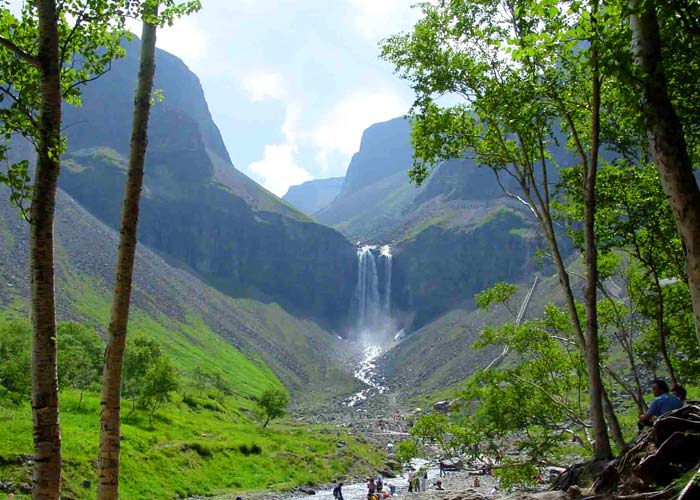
x: 292, y: 84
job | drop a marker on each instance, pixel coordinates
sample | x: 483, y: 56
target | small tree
x: 79, y: 357
x: 160, y: 381
x: 273, y: 404
x: 141, y: 354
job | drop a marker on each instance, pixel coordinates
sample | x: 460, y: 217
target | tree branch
x: 10, y: 45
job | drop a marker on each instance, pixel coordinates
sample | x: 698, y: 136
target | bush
x: 253, y: 449
x: 202, y: 449
x: 15, y: 357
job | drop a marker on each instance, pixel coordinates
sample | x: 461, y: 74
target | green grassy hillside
x: 186, y: 451
x: 197, y: 443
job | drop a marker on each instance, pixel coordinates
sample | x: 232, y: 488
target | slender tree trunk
x: 667, y: 141
x: 613, y: 423
x: 46, y: 480
x: 108, y: 462
x: 602, y: 450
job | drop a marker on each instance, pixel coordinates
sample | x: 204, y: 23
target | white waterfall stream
x: 373, y: 326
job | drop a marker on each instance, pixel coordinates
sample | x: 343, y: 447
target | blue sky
x: 293, y: 83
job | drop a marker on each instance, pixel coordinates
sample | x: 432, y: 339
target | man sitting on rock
x: 663, y: 403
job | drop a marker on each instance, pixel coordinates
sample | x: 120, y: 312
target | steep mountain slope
x: 200, y: 327
x: 315, y: 195
x: 440, y: 354
x: 198, y: 210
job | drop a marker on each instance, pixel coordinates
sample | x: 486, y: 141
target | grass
x: 190, y: 343
x: 186, y: 452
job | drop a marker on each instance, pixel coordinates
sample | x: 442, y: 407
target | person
x: 477, y: 482
x: 438, y: 485
x: 663, y: 402
x: 371, y: 486
x: 680, y: 392
x: 338, y: 491
x: 411, y: 475
x: 442, y: 469
x: 424, y: 480
x: 380, y: 483
x: 392, y: 489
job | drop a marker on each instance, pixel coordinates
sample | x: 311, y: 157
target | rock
x: 307, y: 490
x: 452, y: 464
x: 388, y: 473
x: 25, y: 488
x: 574, y: 492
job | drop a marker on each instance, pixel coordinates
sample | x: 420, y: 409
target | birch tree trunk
x: 46, y: 478
x: 108, y: 461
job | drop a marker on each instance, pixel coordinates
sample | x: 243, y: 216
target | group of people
x: 664, y: 401
x: 377, y: 490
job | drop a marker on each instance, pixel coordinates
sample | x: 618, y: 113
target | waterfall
x: 386, y: 302
x: 373, y: 291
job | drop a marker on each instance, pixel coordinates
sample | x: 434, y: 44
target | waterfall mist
x: 371, y: 309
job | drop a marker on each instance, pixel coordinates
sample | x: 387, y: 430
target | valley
x: 463, y: 261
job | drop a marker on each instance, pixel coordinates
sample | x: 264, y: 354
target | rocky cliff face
x: 385, y: 150
x: 315, y: 195
x: 452, y: 237
x: 197, y: 208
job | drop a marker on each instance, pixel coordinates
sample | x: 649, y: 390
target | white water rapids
x: 358, y: 491
x: 367, y: 373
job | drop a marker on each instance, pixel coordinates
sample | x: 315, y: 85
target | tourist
x: 338, y: 491
x: 680, y: 392
x: 438, y: 485
x: 423, y: 480
x: 477, y: 482
x: 380, y: 483
x: 411, y: 476
x: 392, y: 488
x: 663, y: 403
x: 371, y: 486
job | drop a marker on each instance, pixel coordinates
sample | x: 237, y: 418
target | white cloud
x: 340, y: 131
x: 278, y: 169
x: 264, y: 85
x: 375, y: 19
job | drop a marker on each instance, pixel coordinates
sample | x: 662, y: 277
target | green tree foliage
x: 538, y: 402
x: 272, y: 404
x: 15, y: 353
x: 634, y: 218
x: 406, y: 451
x: 141, y: 354
x: 159, y: 383
x: 451, y: 438
x: 80, y: 356
x: 500, y: 293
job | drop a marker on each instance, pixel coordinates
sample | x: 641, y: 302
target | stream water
x: 358, y: 491
x: 367, y: 373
